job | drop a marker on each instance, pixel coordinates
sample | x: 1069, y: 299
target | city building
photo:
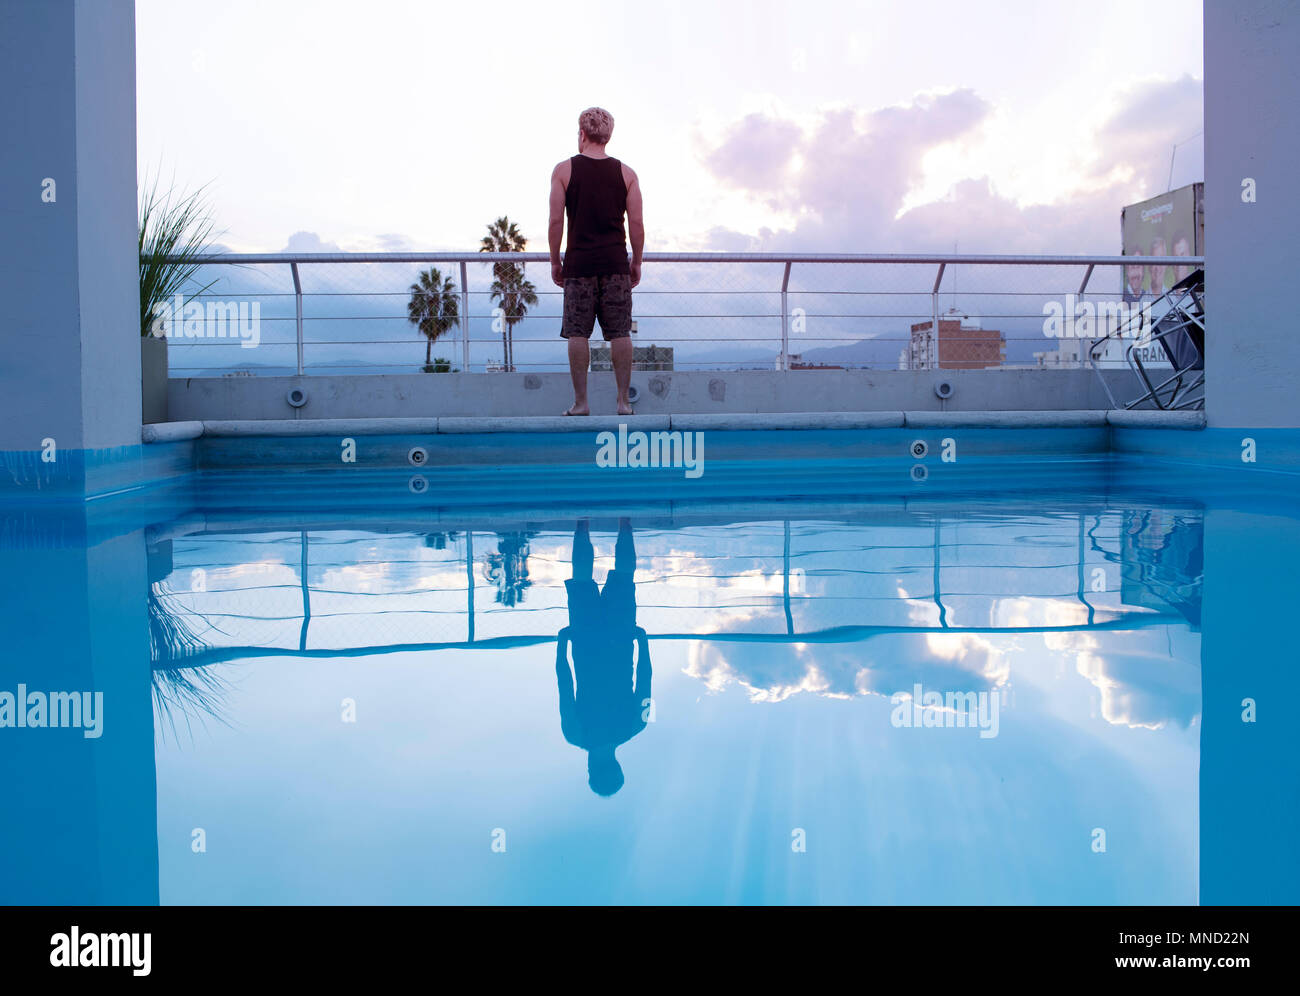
x: 962, y: 344
x: 797, y: 362
x: 643, y: 358
x: 1077, y: 341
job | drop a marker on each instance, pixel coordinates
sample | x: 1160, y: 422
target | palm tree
x: 433, y: 309
x: 510, y: 290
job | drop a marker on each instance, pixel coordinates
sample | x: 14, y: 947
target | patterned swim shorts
x: 607, y: 298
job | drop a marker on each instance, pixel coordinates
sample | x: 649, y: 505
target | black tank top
x: 595, y: 202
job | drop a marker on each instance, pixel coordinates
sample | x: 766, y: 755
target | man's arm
x: 555, y: 230
x: 643, y: 673
x: 635, y: 222
x: 564, y: 681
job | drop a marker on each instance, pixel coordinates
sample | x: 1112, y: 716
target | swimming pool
x: 343, y: 686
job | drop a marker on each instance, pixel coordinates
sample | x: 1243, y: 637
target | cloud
x: 846, y: 178
x: 1139, y: 687
x: 772, y: 672
x: 385, y: 242
x: 755, y: 154
x: 855, y: 167
x: 722, y: 239
x: 393, y: 242
x: 1150, y: 690
x: 981, y: 220
x: 1141, y: 135
x: 309, y: 242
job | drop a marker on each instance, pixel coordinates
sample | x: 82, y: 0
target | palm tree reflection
x: 507, y: 568
x: 179, y: 688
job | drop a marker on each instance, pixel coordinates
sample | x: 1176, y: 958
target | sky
x: 838, y: 127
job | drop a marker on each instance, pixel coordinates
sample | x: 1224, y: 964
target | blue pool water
x: 325, y: 691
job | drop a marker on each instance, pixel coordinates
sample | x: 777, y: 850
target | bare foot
x: 625, y: 409
x: 575, y: 410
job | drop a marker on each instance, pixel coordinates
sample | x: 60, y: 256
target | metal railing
x: 886, y: 306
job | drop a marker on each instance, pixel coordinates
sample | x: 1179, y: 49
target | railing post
x: 785, y: 585
x: 297, y: 304
x: 306, y: 589
x: 938, y: 577
x: 1074, y: 327
x: 785, y: 318
x: 1082, y: 569
x: 469, y: 576
x: 932, y: 340
x: 464, y: 323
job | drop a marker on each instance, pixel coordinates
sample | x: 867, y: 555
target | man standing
x: 595, y: 191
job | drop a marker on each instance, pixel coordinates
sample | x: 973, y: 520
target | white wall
x: 68, y: 269
x: 108, y: 265
x: 426, y: 395
x: 1252, y: 251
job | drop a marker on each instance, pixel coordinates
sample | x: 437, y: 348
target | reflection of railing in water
x: 192, y: 651
x: 839, y: 634
x: 1163, y: 556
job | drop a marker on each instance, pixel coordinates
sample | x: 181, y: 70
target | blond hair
x: 597, y: 124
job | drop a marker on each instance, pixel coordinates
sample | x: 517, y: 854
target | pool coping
x: 166, y: 432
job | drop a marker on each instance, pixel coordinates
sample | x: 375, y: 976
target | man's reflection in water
x: 609, y: 705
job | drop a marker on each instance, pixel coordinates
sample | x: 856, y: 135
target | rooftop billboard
x: 1172, y: 224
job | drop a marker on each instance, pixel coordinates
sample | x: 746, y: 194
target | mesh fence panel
x: 719, y: 315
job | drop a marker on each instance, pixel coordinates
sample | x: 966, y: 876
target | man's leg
x: 579, y: 360
x: 584, y: 601
x: 584, y: 555
x: 579, y: 321
x: 621, y: 353
x: 614, y: 310
x: 624, y: 547
x: 619, y: 597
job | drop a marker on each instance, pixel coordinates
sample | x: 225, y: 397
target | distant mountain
x: 876, y: 354
x: 722, y: 359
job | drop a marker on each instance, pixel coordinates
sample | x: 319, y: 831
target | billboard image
x: 1171, y: 224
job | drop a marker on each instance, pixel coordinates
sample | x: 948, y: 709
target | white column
x: 68, y: 261
x: 1252, y: 249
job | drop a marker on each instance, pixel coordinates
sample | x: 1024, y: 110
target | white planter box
x: 153, y: 379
